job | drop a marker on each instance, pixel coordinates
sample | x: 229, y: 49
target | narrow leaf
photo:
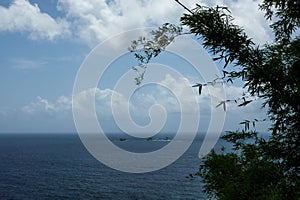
x: 200, y: 89
x: 245, y: 103
x: 224, y: 106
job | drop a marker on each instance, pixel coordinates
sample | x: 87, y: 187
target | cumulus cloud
x: 138, y: 106
x: 180, y: 87
x: 22, y: 16
x: 103, y: 102
x: 41, y: 105
x: 60, y: 110
x: 174, y: 90
x: 93, y: 21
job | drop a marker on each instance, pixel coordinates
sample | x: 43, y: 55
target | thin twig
x: 184, y: 6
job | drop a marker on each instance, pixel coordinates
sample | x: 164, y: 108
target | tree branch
x: 184, y: 7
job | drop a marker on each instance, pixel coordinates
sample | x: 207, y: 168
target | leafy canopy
x: 256, y: 167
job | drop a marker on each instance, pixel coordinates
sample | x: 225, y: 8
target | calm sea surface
x: 57, y: 166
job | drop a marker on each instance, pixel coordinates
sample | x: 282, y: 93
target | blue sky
x: 44, y: 43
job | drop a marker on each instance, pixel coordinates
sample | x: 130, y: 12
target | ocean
x: 57, y: 166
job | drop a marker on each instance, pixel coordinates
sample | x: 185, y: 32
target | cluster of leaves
x: 145, y: 49
x: 245, y: 172
x: 288, y: 14
x: 247, y: 123
x: 219, y: 35
x: 210, y: 83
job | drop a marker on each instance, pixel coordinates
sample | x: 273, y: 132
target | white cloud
x: 42, y: 109
x: 104, y: 101
x: 93, y: 21
x: 180, y: 87
x: 41, y: 105
x: 21, y: 16
x: 140, y: 103
x: 139, y: 106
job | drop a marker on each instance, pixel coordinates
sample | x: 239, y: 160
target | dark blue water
x: 57, y: 166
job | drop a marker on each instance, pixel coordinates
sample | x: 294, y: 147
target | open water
x: 57, y: 166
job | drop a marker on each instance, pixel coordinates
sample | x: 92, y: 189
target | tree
x: 255, y: 168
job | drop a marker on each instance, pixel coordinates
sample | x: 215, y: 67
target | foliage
x: 288, y: 14
x: 256, y: 167
x: 145, y: 49
x: 244, y: 173
x: 263, y: 169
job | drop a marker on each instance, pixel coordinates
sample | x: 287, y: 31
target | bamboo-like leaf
x: 245, y: 103
x: 222, y: 103
x: 230, y: 80
x: 200, y: 89
x: 219, y: 104
x: 216, y: 58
